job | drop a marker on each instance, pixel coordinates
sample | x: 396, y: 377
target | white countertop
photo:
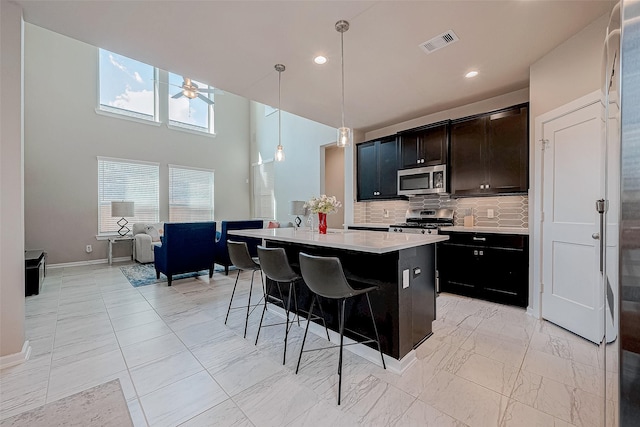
x: 355, y: 240
x: 494, y: 230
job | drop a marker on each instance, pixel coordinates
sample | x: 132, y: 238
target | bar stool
x: 241, y: 259
x: 275, y: 266
x: 325, y: 277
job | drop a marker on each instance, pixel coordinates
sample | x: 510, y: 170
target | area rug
x: 103, y: 405
x: 145, y: 274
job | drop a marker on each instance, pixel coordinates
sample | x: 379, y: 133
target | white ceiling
x: 234, y: 46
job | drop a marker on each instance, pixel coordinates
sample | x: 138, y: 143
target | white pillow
x: 153, y: 232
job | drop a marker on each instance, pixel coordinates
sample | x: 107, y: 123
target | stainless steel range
x: 424, y: 221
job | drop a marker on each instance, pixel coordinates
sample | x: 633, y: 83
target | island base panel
x: 403, y: 314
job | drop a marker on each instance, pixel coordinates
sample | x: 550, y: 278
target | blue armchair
x: 186, y: 247
x: 222, y: 253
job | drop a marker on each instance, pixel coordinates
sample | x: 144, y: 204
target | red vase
x: 322, y: 223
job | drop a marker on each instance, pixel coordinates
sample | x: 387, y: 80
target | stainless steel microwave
x: 427, y: 180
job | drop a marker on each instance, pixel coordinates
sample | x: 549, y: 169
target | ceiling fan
x: 191, y: 90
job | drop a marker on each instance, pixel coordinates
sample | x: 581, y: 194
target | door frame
x: 536, y: 233
x: 323, y: 174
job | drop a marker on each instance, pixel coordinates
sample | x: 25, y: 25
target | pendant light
x: 344, y: 133
x: 279, y: 150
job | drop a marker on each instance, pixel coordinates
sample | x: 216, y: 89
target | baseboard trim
x: 394, y: 365
x: 16, y: 358
x: 90, y: 262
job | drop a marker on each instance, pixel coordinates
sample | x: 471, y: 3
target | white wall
x: 12, y: 302
x: 298, y: 177
x: 568, y: 72
x: 64, y: 134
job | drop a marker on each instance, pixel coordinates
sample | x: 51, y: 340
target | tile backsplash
x: 508, y: 211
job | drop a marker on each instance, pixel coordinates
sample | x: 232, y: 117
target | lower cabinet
x: 493, y: 267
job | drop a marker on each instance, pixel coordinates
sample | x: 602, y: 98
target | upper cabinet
x: 377, y: 169
x: 424, y: 146
x: 490, y: 153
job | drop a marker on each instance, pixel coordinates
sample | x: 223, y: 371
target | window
x: 127, y: 180
x: 190, y: 104
x: 264, y: 202
x: 127, y: 86
x: 190, y: 194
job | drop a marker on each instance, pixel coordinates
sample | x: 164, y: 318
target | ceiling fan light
x: 189, y: 93
x: 344, y: 137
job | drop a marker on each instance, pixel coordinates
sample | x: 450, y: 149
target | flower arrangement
x: 323, y: 204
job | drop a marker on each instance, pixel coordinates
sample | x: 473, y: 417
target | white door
x: 572, y: 168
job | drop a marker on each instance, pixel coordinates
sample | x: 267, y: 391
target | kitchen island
x: 402, y: 266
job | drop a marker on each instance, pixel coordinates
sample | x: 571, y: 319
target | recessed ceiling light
x: 471, y: 74
x: 320, y: 60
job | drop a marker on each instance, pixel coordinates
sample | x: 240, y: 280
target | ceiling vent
x: 438, y: 42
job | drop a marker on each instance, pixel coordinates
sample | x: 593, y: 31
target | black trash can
x: 35, y: 264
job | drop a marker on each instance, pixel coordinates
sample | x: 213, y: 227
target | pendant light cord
x: 279, y: 111
x: 342, y: 64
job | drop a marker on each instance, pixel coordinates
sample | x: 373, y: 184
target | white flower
x: 323, y: 204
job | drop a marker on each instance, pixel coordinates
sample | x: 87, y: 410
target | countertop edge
x: 491, y: 230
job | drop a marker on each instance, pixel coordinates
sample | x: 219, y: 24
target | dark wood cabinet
x: 367, y: 158
x: 495, y: 267
x: 377, y: 169
x: 490, y: 153
x: 507, y: 163
x: 424, y: 146
x: 467, y: 170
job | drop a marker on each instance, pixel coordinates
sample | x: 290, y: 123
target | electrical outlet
x: 89, y: 249
x: 386, y: 213
x: 405, y: 278
x: 489, y: 213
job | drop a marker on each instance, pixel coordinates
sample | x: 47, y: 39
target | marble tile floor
x: 485, y: 365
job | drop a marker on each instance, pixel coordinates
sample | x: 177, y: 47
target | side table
x: 118, y: 239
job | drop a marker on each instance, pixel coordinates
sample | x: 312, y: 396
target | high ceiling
x: 234, y: 45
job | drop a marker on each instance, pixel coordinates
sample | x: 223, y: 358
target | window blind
x: 127, y: 180
x: 190, y: 194
x: 264, y: 203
